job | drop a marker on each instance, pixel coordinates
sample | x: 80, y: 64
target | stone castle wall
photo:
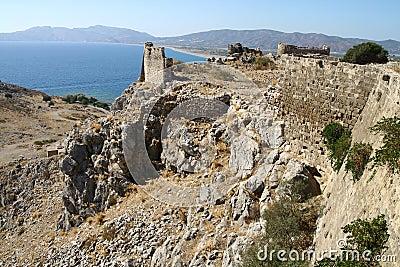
x: 347, y: 201
x: 313, y: 92
x: 153, y: 64
x: 298, y: 50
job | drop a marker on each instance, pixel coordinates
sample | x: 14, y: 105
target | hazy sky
x: 378, y: 20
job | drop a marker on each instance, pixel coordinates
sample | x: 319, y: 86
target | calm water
x: 95, y: 69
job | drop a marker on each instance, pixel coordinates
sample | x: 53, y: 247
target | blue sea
x: 101, y: 70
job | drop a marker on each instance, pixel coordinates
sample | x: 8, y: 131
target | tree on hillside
x: 365, y: 53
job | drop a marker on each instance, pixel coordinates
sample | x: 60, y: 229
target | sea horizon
x: 98, y: 69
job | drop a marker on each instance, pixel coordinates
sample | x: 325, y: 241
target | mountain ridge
x: 266, y: 39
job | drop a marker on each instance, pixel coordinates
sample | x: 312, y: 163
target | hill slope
x: 265, y: 39
x: 269, y: 39
x: 91, y: 34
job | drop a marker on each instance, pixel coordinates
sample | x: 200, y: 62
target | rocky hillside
x: 96, y: 33
x: 30, y: 124
x: 269, y: 40
x: 181, y: 172
x: 263, y: 38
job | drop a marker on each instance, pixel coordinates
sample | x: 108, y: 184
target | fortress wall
x: 314, y: 92
x: 347, y: 201
x: 298, y: 50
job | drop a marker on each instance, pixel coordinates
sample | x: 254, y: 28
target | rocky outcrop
x: 208, y: 141
x: 21, y: 185
x: 95, y: 170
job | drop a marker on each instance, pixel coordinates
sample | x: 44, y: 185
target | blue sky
x: 378, y: 20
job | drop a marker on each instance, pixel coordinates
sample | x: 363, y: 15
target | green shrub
x: 69, y: 98
x: 357, y: 159
x: 289, y: 225
x: 332, y: 132
x: 81, y: 98
x: 389, y: 153
x: 46, y: 98
x: 263, y: 63
x: 92, y: 100
x: 362, y: 235
x: 44, y: 142
x: 338, y: 141
x: 101, y: 105
x: 84, y: 101
x: 8, y: 95
x: 365, y: 53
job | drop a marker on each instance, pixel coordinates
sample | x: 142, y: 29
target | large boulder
x: 271, y: 131
x: 243, y: 153
x: 299, y: 181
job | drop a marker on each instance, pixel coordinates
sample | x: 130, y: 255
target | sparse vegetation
x: 358, y: 157
x: 108, y: 233
x: 363, y: 235
x: 289, y: 225
x: 84, y: 100
x: 263, y: 63
x: 177, y: 62
x: 46, y: 98
x: 44, y: 142
x: 69, y: 99
x: 97, y: 219
x: 96, y: 127
x: 365, y: 53
x: 389, y: 153
x: 338, y: 141
x: 101, y: 105
x: 8, y: 95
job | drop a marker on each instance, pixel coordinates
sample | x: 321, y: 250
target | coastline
x: 194, y: 52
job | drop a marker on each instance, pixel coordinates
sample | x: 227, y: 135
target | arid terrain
x: 87, y: 207
x: 25, y: 119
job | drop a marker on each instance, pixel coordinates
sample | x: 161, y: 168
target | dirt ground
x: 26, y: 118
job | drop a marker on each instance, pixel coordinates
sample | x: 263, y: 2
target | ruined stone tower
x: 153, y: 64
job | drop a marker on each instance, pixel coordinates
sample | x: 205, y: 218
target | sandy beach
x: 194, y: 52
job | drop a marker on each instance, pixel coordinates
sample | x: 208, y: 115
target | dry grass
x: 102, y: 251
x: 274, y: 81
x: 108, y: 233
x: 89, y: 241
x: 96, y: 127
x: 182, y: 213
x: 36, y: 215
x: 209, y: 245
x: 97, y: 219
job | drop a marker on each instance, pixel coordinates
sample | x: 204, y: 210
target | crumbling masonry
x: 301, y: 51
x: 153, y: 64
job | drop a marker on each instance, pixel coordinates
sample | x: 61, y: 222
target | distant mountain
x: 91, y: 34
x: 269, y: 40
x: 265, y: 39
